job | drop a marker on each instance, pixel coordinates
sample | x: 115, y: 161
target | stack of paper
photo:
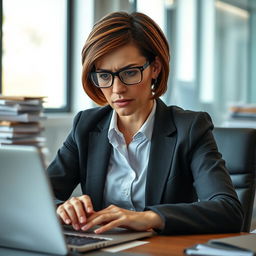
x: 241, y: 115
x: 20, y: 120
x: 244, y: 245
x: 242, y: 111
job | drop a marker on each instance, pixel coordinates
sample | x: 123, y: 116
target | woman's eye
x: 104, y: 76
x: 130, y: 72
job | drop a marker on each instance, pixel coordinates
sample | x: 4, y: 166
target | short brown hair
x: 118, y: 29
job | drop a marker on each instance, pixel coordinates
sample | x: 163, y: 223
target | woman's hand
x: 75, y: 211
x: 114, y: 216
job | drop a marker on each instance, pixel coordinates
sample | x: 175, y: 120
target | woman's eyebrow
x: 124, y: 67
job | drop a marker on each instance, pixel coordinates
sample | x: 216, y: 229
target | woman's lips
x: 122, y: 103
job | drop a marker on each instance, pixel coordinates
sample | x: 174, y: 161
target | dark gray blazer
x: 187, y: 182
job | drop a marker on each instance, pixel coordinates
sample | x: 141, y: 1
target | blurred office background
x: 213, y: 53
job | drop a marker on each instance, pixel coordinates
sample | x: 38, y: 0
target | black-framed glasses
x: 128, y: 76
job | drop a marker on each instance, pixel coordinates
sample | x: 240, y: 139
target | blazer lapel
x: 161, y: 154
x: 99, y: 151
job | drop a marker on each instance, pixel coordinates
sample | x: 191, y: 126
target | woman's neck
x: 129, y: 125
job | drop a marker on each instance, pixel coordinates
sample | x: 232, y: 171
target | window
x: 215, y: 55
x: 231, y: 58
x: 35, y: 50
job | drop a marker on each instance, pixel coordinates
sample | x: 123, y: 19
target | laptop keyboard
x: 81, y: 240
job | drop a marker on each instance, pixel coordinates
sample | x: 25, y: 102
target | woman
x: 141, y: 165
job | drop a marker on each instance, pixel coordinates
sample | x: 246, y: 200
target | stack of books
x: 242, y: 115
x: 243, y: 111
x: 20, y: 120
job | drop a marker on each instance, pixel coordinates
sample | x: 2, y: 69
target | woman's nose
x: 118, y: 86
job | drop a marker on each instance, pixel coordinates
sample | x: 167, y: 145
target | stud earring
x: 154, y: 84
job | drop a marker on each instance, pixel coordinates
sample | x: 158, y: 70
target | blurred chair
x: 238, y: 148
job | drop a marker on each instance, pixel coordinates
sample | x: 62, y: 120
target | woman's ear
x: 156, y: 67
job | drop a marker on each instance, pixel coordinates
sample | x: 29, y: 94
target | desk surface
x: 174, y: 245
x: 158, y: 245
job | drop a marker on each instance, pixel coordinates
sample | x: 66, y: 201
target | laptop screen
x: 28, y: 217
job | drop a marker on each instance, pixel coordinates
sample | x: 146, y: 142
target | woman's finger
x: 99, y: 218
x: 109, y: 226
x: 87, y: 202
x: 69, y: 208
x: 63, y: 215
x: 79, y: 209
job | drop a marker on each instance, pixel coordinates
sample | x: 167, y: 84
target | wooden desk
x: 174, y: 245
x: 157, y: 246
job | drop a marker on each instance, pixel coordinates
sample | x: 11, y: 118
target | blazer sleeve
x: 64, y: 171
x: 217, y: 209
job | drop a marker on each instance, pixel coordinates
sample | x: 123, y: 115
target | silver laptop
x: 28, y: 216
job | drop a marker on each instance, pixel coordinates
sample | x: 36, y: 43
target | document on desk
x: 244, y: 245
x: 124, y: 246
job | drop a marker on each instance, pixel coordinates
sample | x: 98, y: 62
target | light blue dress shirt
x: 127, y: 170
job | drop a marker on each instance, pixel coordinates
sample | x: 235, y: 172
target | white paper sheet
x: 121, y: 247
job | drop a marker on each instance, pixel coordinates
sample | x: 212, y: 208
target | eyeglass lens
x: 128, y: 76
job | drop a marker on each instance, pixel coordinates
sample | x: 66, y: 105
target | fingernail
x: 85, y: 227
x: 76, y: 226
x: 67, y: 221
x: 97, y: 231
x: 82, y: 219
